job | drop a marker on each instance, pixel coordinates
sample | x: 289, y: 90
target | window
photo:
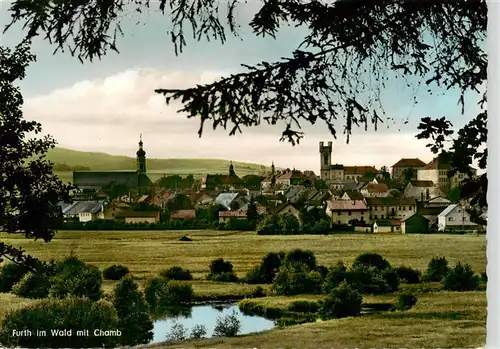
x: 376, y: 217
x: 340, y: 213
x: 376, y: 208
x: 450, y: 219
x: 348, y: 213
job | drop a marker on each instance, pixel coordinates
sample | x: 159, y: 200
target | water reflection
x: 205, y: 315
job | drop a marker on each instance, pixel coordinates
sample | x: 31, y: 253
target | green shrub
x: 297, y: 279
x: 177, y: 273
x: 304, y: 307
x: 33, y: 285
x: 133, y: 317
x: 298, y: 256
x: 267, y: 270
x: 461, y: 278
x: 177, y: 333
x: 76, y: 278
x: 56, y: 315
x: 10, y: 274
x: 258, y: 292
x: 115, y: 272
x: 223, y: 277
x: 322, y: 270
x: 408, y: 275
x: 371, y: 260
x: 437, y: 269
x: 392, y: 280
x: 406, y: 301
x: 174, y: 293
x: 151, y: 291
x: 227, y: 326
x: 341, y: 302
x: 295, y: 319
x: 220, y: 266
x: 335, y: 276
x: 484, y: 277
x: 254, y: 276
x: 367, y: 280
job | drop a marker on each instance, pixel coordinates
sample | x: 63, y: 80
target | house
x: 182, y: 215
x: 226, y: 199
x: 400, y: 168
x: 226, y: 216
x: 375, y: 190
x: 389, y: 207
x: 288, y: 209
x: 437, y: 171
x: 357, y: 172
x: 293, y: 177
x: 422, y: 190
x: 84, y: 211
x: 344, y: 211
x: 352, y: 195
x: 115, y: 208
x: 416, y: 224
x: 455, y: 217
x: 387, y: 226
x: 296, y: 193
x: 438, y: 201
x: 131, y: 216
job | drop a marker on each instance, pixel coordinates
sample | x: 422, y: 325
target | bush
x: 198, y: 332
x: 484, y: 277
x: 133, y: 317
x: 322, y: 270
x: 297, y: 279
x: 151, y: 291
x: 115, y: 272
x: 177, y: 273
x: 304, y: 307
x: 53, y: 315
x: 341, y: 302
x: 409, y: 275
x: 254, y: 276
x: 227, y: 326
x: 391, y: 278
x: 299, y: 256
x: 10, y: 274
x: 335, y: 276
x: 406, y: 301
x: 371, y: 260
x: 266, y: 272
x: 367, y: 280
x: 174, y: 293
x: 33, y: 285
x: 437, y: 269
x: 461, y: 278
x: 223, y: 277
x: 220, y: 266
x: 76, y: 278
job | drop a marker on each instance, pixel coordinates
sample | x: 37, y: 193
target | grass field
x: 440, y: 319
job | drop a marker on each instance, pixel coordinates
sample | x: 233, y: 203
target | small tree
x: 227, y: 326
x: 302, y: 257
x: 437, y: 269
x: 133, y: 317
x: 343, y: 301
x: 461, y: 278
x: 252, y: 213
x: 371, y: 260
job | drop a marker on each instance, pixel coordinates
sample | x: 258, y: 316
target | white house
x: 344, y: 211
x: 422, y: 190
x: 455, y: 217
x: 375, y: 190
x: 85, y: 210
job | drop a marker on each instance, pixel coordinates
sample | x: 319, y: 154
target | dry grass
x: 10, y: 302
x: 439, y: 320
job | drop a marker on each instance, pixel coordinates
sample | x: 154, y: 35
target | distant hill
x: 106, y: 162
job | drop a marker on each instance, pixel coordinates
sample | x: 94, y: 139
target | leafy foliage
x: 33, y: 285
x: 461, y: 278
x: 343, y: 301
x: 174, y: 293
x: 409, y: 275
x: 133, y: 317
x: 115, y: 272
x: 297, y: 278
x: 371, y: 260
x: 227, y: 326
x: 437, y: 269
x: 10, y: 274
x: 29, y: 191
x: 307, y: 258
x: 406, y: 301
x: 176, y: 273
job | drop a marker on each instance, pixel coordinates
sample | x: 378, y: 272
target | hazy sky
x: 105, y: 105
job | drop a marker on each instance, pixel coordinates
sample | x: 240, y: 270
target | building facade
x: 403, y: 166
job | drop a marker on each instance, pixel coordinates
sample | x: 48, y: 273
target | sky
x: 104, y: 106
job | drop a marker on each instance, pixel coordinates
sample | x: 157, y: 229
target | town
x: 412, y: 197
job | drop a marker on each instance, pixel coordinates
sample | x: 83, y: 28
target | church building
x: 133, y: 180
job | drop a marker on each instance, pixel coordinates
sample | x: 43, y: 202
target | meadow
x: 440, y: 319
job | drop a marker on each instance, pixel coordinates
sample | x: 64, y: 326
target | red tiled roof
x: 435, y: 164
x: 409, y: 163
x: 362, y: 170
x: 232, y: 214
x: 422, y: 184
x: 292, y: 175
x: 377, y: 188
x: 183, y: 214
x: 346, y: 205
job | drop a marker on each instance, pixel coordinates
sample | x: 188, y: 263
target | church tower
x: 141, y: 158
x: 325, y: 159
